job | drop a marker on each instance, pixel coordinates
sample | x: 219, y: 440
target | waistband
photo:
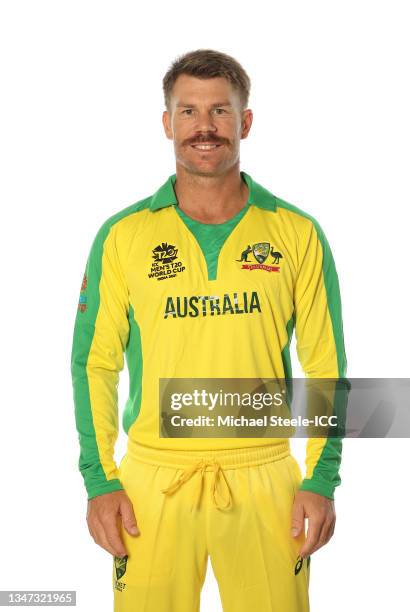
x: 228, y: 459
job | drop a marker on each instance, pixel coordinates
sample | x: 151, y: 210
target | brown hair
x: 207, y: 64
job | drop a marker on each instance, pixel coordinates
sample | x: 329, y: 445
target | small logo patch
x: 164, y: 264
x: 165, y: 253
x: 260, y: 252
x: 82, y: 302
x: 119, y: 586
x: 120, y: 564
x: 299, y: 564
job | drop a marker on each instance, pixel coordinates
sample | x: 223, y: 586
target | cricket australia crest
x: 120, y: 564
x: 260, y: 251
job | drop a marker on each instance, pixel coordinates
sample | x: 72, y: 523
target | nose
x: 205, y: 122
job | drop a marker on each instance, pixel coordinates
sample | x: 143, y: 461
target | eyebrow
x: 216, y: 104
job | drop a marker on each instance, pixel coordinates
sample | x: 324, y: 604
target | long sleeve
x: 320, y: 348
x: 100, y: 336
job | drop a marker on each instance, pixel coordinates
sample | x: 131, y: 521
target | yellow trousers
x: 233, y: 506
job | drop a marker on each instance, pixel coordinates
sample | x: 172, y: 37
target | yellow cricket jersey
x: 155, y: 292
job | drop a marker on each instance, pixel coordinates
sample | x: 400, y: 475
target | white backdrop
x: 81, y: 138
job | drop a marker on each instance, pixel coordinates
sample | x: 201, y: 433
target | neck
x: 211, y: 199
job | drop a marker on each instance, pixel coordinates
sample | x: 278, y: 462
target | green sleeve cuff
x: 318, y: 486
x: 105, y: 487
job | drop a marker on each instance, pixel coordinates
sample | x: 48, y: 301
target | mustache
x: 210, y: 138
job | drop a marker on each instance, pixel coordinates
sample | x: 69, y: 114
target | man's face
x: 206, y: 123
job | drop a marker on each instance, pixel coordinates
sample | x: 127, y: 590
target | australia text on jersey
x: 203, y: 305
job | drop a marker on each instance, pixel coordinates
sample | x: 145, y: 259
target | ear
x: 166, y: 122
x: 247, y: 118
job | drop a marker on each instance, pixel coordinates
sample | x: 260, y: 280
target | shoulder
x: 298, y: 216
x: 131, y: 215
x: 124, y: 223
x: 295, y: 218
x: 304, y: 224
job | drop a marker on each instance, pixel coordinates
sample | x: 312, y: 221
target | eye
x: 188, y: 111
x: 220, y: 109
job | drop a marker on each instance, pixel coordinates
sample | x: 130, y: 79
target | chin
x: 204, y: 169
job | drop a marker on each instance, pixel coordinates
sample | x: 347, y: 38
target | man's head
x: 206, y: 96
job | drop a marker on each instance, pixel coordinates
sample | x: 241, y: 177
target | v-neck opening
x: 198, y: 230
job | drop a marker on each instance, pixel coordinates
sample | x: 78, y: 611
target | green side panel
x: 211, y: 237
x: 133, y: 354
x: 287, y: 363
x: 89, y: 461
x: 325, y: 477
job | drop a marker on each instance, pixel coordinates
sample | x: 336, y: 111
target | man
x: 166, y: 282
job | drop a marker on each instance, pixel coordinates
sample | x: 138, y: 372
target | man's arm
x: 100, y: 336
x: 320, y: 348
x: 321, y: 351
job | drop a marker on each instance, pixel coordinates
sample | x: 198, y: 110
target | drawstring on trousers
x: 219, y: 476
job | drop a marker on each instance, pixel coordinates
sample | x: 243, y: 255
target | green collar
x: 258, y: 195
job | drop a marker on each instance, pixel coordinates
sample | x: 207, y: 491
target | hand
x: 103, y: 513
x: 321, y: 515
